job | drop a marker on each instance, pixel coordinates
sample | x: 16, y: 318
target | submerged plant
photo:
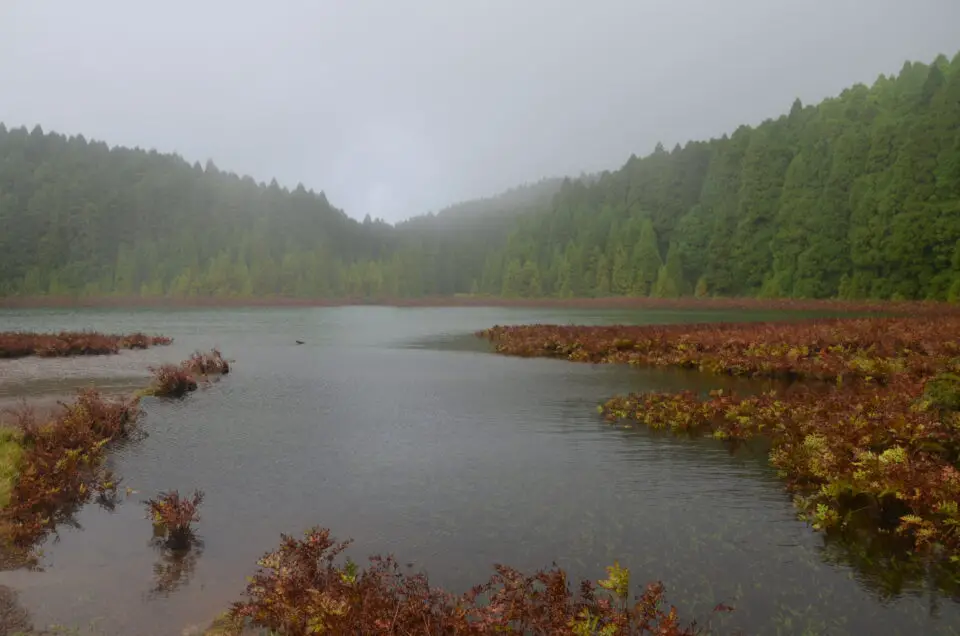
x: 173, y: 516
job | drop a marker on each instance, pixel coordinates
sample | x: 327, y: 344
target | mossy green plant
x: 11, y: 454
x: 943, y: 392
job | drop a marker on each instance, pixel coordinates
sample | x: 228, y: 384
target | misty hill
x: 449, y: 248
x: 526, y: 197
x: 79, y: 217
x: 858, y: 196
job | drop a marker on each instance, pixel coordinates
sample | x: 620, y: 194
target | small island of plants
x: 19, y: 344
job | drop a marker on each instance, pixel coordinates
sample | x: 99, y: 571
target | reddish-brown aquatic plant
x: 876, y: 432
x: 877, y: 450
x: 61, y: 464
x: 172, y: 380
x: 209, y: 363
x: 60, y: 467
x: 823, y: 349
x: 303, y: 588
x: 17, y: 344
x: 174, y: 516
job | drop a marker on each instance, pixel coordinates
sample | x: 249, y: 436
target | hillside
x: 450, y: 247
x: 79, y: 217
x: 82, y: 219
x: 856, y: 197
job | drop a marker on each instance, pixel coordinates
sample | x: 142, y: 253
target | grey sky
x: 398, y: 107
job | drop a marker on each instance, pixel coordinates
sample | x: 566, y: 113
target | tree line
x: 855, y: 197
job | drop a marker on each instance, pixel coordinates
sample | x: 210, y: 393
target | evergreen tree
x: 670, y: 283
x: 646, y: 261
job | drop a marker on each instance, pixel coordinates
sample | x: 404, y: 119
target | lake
x: 397, y: 428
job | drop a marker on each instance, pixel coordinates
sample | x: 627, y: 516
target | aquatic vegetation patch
x: 52, y: 466
x: 305, y: 587
x: 871, y: 449
x: 172, y: 380
x: 821, y: 349
x: 18, y: 344
x: 11, y: 452
x: 872, y: 431
x: 61, y: 463
x: 209, y: 363
x: 173, y: 516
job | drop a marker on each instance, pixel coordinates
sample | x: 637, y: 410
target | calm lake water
x: 399, y: 429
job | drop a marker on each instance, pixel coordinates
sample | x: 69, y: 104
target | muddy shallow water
x: 396, y: 427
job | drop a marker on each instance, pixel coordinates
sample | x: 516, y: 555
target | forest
x: 855, y: 197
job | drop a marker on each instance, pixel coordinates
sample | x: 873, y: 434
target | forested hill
x: 858, y: 196
x: 80, y: 218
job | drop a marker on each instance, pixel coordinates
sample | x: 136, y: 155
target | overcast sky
x: 399, y: 107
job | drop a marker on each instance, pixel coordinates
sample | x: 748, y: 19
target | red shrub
x: 142, y: 341
x: 61, y: 464
x: 824, y: 349
x: 171, y: 380
x: 206, y: 363
x: 302, y: 589
x: 72, y: 343
x: 174, y: 516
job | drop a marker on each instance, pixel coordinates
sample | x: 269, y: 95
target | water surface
x: 394, y: 426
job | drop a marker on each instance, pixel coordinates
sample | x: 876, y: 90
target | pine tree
x: 646, y: 261
x: 670, y: 283
x: 621, y: 278
x: 602, y: 288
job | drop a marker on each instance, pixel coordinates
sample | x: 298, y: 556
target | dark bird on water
x: 299, y: 341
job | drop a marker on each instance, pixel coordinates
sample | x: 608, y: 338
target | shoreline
x: 610, y: 302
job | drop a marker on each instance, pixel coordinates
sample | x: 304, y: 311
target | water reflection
x: 887, y: 569
x: 173, y: 568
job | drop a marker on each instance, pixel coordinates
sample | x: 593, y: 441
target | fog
x: 398, y: 108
